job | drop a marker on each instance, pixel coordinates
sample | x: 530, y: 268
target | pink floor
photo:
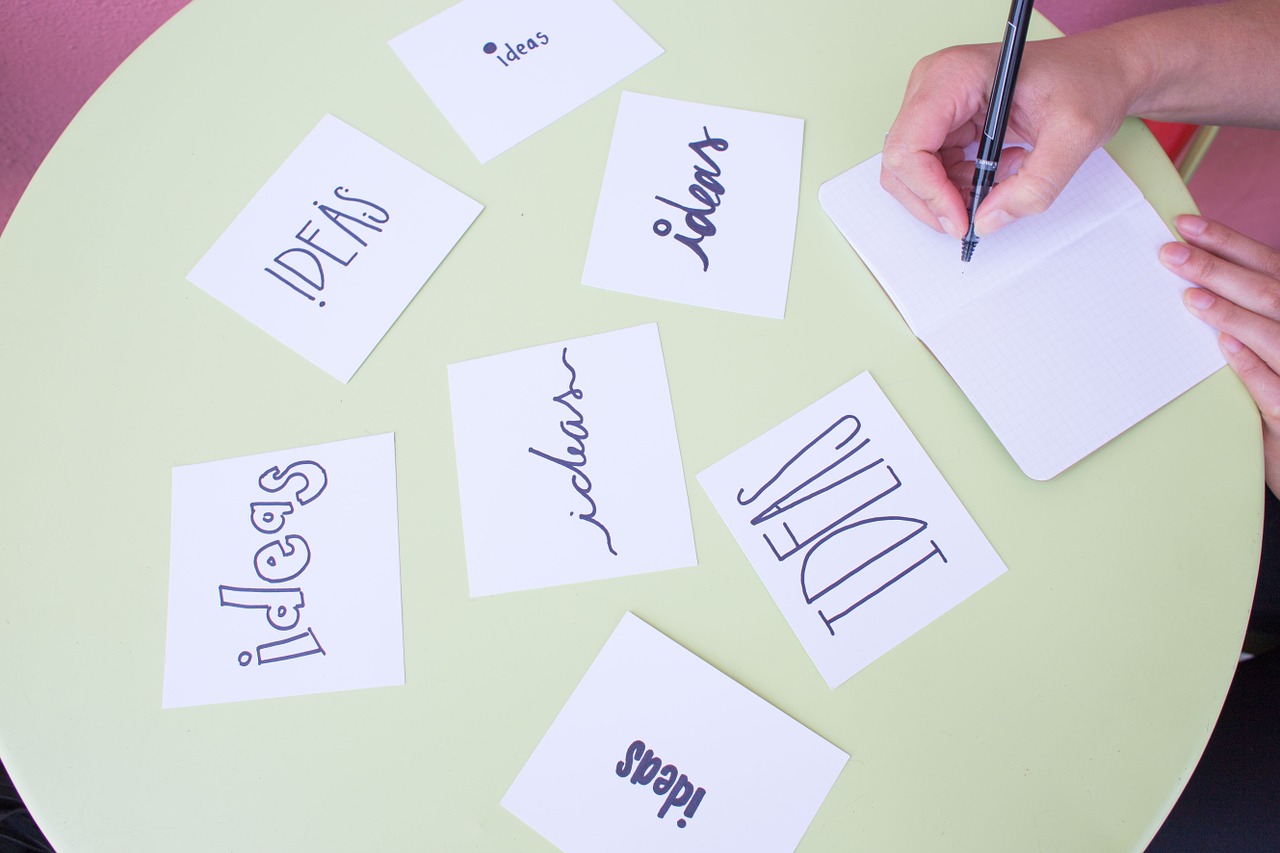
x: 55, y: 53
x: 1239, y: 180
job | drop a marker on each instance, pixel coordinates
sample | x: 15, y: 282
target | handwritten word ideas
x: 501, y: 70
x: 278, y: 561
x: 313, y: 256
x: 680, y: 769
x: 568, y: 464
x: 334, y: 246
x: 284, y: 575
x: 698, y: 206
x: 575, y: 431
x: 706, y: 190
x: 665, y: 778
x: 852, y: 529
x: 520, y: 51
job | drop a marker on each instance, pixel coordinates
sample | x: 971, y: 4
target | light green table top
x: 1060, y: 708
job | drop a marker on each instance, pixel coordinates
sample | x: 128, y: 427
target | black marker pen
x: 984, y: 175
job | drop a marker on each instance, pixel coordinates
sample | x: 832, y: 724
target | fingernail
x: 948, y: 226
x: 1191, y: 226
x: 1198, y: 298
x: 1229, y: 344
x: 1174, y: 254
x: 991, y: 221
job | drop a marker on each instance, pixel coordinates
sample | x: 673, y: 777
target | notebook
x: 1064, y: 330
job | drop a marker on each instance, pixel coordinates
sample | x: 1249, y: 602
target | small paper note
x: 568, y: 464
x: 329, y: 252
x: 284, y: 575
x: 852, y: 529
x: 501, y: 70
x: 698, y: 206
x: 657, y: 750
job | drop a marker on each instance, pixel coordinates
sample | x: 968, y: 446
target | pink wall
x: 53, y: 55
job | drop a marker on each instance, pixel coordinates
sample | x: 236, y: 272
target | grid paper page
x: 1070, y: 334
x: 921, y: 269
x: 1057, y: 364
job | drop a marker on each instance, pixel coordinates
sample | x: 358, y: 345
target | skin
x: 1238, y: 294
x: 1215, y: 64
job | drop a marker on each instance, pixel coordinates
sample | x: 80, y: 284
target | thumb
x: 1040, y: 179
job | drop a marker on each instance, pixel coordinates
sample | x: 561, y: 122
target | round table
x: 1062, y: 707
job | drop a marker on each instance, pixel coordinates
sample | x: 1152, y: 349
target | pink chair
x: 1186, y: 144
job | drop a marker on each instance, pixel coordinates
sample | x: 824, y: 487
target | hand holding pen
x: 1071, y: 97
x: 991, y: 143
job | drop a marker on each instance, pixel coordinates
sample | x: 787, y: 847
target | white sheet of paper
x: 568, y: 464
x: 698, y: 206
x: 284, y: 575
x: 501, y: 70
x: 329, y: 252
x: 851, y: 527
x: 1064, y: 330
x: 657, y: 750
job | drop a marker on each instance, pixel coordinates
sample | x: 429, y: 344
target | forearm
x: 1217, y: 64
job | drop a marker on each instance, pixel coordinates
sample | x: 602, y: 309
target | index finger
x: 939, y: 110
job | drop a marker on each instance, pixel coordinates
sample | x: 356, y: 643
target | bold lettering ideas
x: 279, y: 561
x: 575, y: 430
x: 820, y: 502
x: 705, y: 190
x: 520, y: 51
x: 334, y: 238
x: 645, y: 768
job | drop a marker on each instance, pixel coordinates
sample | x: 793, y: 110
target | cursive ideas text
x: 706, y: 190
x: 575, y: 461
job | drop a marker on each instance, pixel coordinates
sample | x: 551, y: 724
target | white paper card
x: 284, y: 575
x: 657, y: 750
x: 568, y: 464
x: 1064, y: 330
x: 852, y: 529
x: 329, y: 252
x: 501, y: 70
x: 698, y: 206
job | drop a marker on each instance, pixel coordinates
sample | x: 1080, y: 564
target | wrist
x: 1138, y: 70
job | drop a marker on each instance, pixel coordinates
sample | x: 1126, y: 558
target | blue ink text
x: 647, y: 769
x: 574, y: 429
x: 332, y: 238
x: 705, y: 190
x: 279, y: 561
x: 820, y: 502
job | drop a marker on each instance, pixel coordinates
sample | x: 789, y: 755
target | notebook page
x: 921, y: 269
x: 1071, y: 332
x: 1085, y: 345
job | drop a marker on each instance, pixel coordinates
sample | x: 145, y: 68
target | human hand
x: 1239, y: 295
x: 1072, y: 95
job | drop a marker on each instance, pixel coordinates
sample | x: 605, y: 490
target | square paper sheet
x: 568, y: 464
x: 852, y: 529
x: 329, y: 252
x: 657, y: 750
x: 698, y: 206
x: 284, y: 575
x: 501, y: 70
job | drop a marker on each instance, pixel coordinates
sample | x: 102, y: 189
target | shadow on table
x: 18, y: 832
x: 1230, y: 803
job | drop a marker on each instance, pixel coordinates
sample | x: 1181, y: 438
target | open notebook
x: 1064, y: 330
